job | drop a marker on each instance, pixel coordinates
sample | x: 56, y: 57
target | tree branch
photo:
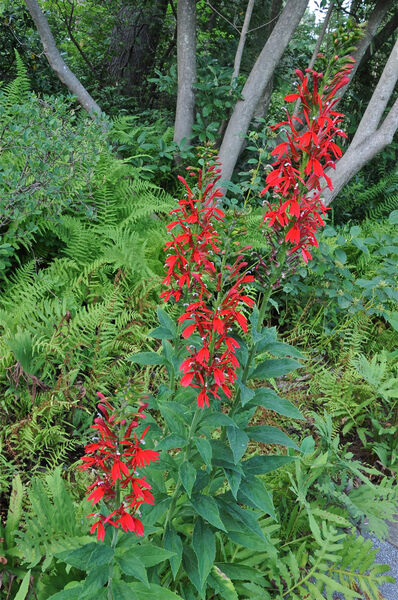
x: 57, y: 63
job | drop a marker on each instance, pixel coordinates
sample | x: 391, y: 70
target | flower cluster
x: 114, y: 456
x: 297, y: 177
x: 189, y: 252
x: 197, y: 267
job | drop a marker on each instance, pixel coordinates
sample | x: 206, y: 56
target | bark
x: 379, y: 40
x: 57, y: 63
x: 186, y: 69
x: 370, y: 138
x: 238, y: 59
x: 379, y: 12
x: 134, y: 41
x: 242, y: 39
x: 265, y: 100
x: 256, y: 83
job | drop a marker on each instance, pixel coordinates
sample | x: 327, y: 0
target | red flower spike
x: 115, y: 458
x: 299, y: 209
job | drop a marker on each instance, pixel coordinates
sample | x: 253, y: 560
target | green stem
x: 175, y: 495
x: 264, y: 303
x: 113, y: 544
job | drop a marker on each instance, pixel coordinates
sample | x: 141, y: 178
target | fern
x: 17, y: 91
x: 51, y: 522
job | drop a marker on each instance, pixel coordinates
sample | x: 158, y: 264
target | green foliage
x: 66, y: 327
x: 47, y: 151
x: 359, y: 199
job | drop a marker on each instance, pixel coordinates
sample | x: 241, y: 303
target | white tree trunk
x: 379, y: 12
x: 186, y: 68
x: 369, y: 139
x: 57, y: 63
x: 259, y: 77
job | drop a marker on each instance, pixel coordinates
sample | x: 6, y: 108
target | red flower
x: 302, y: 161
x: 193, y: 267
x: 115, y: 459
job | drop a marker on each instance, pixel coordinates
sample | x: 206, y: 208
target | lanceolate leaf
x: 222, y: 585
x: 238, y: 440
x: 146, y: 358
x: 204, y: 545
x: 253, y: 492
x: 258, y: 465
x: 204, y: 448
x: 246, y: 394
x: 270, y: 399
x: 166, y: 321
x: 173, y: 543
x: 207, y: 508
x: 139, y: 591
x: 234, y: 478
x: 275, y: 367
x: 91, y: 555
x: 270, y: 435
x: 130, y: 564
x: 187, y: 475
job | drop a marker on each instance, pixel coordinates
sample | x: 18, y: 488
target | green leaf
x: 253, y: 492
x: 207, y: 508
x: 146, y: 358
x: 15, y: 510
x: 171, y: 441
x: 282, y: 349
x: 24, y: 587
x: 246, y: 394
x: 258, y: 465
x: 222, y: 584
x: 234, y: 478
x: 190, y: 565
x: 204, y: 448
x: 392, y: 318
x: 88, y: 556
x: 166, y: 321
x: 204, y: 545
x: 341, y: 256
x: 173, y: 414
x: 393, y: 218
x: 173, y: 543
x: 161, y: 333
x: 151, y: 555
x: 238, y: 440
x: 275, y: 367
x: 74, y: 593
x: 130, y: 564
x: 239, y: 572
x: 270, y: 435
x: 152, y: 592
x: 187, y: 475
x: 217, y: 420
x: 94, y: 581
x: 123, y: 591
x: 270, y: 399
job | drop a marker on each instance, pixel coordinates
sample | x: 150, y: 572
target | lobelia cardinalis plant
x: 217, y: 355
x: 221, y: 353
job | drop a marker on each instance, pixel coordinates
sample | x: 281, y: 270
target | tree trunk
x: 256, y: 83
x: 263, y: 104
x: 134, y: 40
x: 378, y: 41
x: 57, y: 63
x: 242, y: 40
x: 379, y: 12
x: 369, y: 139
x: 186, y: 69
